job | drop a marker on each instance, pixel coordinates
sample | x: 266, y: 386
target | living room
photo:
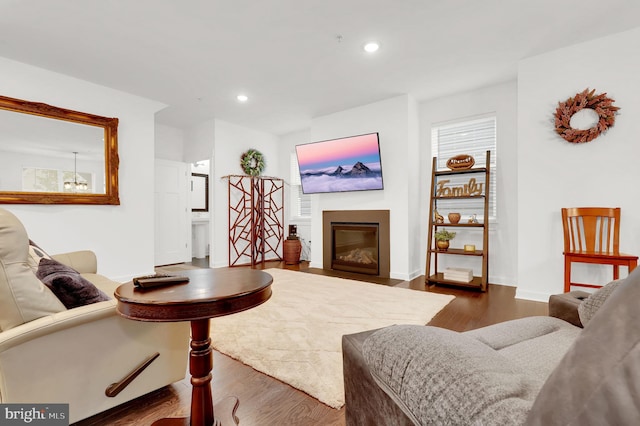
x: 538, y: 172
x: 575, y: 174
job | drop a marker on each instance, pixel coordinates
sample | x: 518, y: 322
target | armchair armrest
x: 55, y: 323
x: 83, y: 261
x: 565, y: 306
x: 438, y: 376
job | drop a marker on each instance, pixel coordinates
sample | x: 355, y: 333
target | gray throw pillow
x: 68, y: 285
x: 589, y: 306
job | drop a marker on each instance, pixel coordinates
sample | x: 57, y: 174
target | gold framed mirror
x: 52, y: 155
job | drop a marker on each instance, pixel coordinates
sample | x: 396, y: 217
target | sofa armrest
x: 365, y: 402
x: 439, y: 376
x: 591, y: 305
x: 565, y: 306
x: 83, y: 261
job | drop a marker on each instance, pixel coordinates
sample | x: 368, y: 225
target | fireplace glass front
x: 355, y: 247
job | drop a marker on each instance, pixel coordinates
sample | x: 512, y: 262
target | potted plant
x: 442, y: 237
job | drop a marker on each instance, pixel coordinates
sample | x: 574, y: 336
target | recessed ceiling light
x: 242, y: 98
x: 371, y: 47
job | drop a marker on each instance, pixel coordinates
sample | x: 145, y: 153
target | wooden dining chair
x: 592, y: 235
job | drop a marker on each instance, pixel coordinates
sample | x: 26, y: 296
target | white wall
x: 554, y: 173
x: 394, y: 120
x: 199, y: 141
x: 416, y: 187
x: 169, y: 143
x: 500, y: 99
x: 231, y: 141
x: 122, y: 236
x: 286, y: 146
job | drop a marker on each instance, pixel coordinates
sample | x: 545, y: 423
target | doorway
x: 172, y: 224
x: 200, y: 210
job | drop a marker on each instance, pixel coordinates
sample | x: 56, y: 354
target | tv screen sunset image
x: 339, y: 165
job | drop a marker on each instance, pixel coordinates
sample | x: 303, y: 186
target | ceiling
x: 295, y: 59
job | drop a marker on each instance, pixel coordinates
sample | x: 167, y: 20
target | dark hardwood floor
x: 265, y: 401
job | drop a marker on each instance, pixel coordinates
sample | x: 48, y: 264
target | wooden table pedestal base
x: 225, y: 415
x: 200, y: 366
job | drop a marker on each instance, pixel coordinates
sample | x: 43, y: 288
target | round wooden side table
x: 209, y: 293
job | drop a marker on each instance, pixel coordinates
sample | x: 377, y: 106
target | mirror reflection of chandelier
x: 78, y: 183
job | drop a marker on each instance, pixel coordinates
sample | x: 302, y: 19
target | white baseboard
x: 400, y: 276
x: 532, y: 295
x: 219, y: 265
x: 415, y: 274
x: 505, y: 281
x: 316, y: 265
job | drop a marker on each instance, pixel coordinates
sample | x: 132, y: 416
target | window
x: 52, y: 180
x: 300, y: 203
x: 474, y: 137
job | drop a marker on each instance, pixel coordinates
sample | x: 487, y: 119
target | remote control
x: 158, y: 280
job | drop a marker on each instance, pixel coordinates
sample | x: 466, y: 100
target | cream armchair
x: 89, y: 356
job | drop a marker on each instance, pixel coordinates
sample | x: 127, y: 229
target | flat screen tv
x: 339, y: 165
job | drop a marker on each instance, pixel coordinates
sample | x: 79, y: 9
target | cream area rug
x: 296, y: 336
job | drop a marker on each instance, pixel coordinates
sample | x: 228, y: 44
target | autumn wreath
x: 252, y: 162
x: 601, y: 104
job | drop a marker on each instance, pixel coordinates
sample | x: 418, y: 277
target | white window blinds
x: 474, y: 137
x: 300, y: 203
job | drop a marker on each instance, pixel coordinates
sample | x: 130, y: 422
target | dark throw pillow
x: 68, y: 285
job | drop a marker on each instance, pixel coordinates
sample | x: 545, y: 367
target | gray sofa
x: 531, y: 371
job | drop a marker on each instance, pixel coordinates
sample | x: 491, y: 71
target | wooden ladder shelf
x: 440, y: 192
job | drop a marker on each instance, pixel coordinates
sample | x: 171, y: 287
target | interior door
x: 172, y: 213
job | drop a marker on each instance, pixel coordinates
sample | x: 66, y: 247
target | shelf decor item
x: 461, y: 162
x: 443, y: 245
x: 601, y: 104
x: 470, y: 189
x: 252, y: 162
x: 462, y: 275
x: 454, y: 217
x: 443, y: 237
